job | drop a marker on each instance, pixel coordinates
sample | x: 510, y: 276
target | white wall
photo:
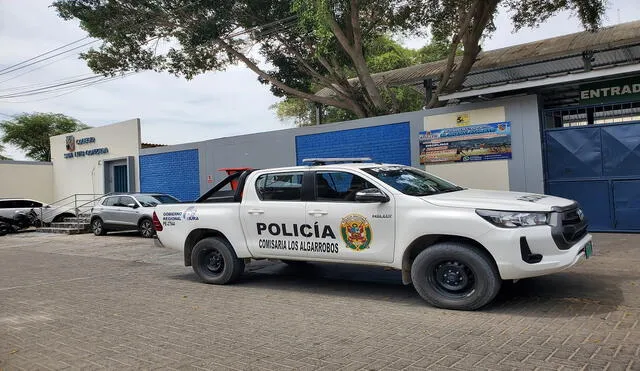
x: 26, y: 179
x: 85, y: 174
x: 492, y: 174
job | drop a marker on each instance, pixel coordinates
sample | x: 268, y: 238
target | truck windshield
x: 411, y: 181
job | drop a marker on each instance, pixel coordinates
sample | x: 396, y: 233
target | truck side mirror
x: 371, y: 195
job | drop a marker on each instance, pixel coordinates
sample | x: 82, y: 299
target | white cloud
x: 173, y: 110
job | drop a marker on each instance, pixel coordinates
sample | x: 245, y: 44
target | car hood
x: 497, y: 200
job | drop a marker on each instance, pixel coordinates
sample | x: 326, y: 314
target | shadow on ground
x: 561, y: 294
x: 132, y: 233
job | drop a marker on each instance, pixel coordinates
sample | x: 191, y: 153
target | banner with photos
x: 467, y: 143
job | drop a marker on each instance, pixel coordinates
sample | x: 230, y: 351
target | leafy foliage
x: 31, y: 132
x: 382, y: 54
x: 308, y: 44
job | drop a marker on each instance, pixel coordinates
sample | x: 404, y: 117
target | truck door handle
x: 318, y: 212
x: 255, y: 211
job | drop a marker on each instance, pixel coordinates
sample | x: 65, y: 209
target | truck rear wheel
x: 455, y: 276
x: 214, y: 261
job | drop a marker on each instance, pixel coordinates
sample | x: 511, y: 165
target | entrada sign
x: 71, y: 142
x: 622, y: 90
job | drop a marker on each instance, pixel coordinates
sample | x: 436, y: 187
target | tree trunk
x: 354, y: 51
x: 470, y: 32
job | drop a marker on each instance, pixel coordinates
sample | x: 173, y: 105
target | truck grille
x: 570, y: 228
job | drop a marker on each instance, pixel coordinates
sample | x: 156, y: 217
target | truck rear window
x: 280, y: 186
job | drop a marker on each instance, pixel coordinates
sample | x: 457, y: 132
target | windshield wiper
x: 439, y: 192
x: 452, y: 190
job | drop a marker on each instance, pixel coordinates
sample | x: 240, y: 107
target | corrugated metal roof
x: 615, y: 45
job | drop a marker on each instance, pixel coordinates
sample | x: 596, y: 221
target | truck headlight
x: 514, y: 219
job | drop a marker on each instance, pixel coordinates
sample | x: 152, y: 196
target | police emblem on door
x: 356, y: 232
x: 71, y: 143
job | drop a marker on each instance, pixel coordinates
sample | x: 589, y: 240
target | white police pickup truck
x: 455, y: 245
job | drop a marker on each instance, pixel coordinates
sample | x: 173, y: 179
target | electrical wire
x: 45, y: 53
x: 101, y: 81
x: 47, y: 58
x: 8, y: 90
x: 70, y: 86
x: 47, y: 88
x: 37, y: 68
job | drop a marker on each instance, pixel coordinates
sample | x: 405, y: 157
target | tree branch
x: 323, y: 80
x: 356, y: 54
x: 279, y: 84
x: 453, y: 48
x: 471, y: 46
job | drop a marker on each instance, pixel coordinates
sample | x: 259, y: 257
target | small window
x: 339, y: 186
x: 125, y: 201
x: 6, y: 204
x: 280, y: 187
x: 110, y: 201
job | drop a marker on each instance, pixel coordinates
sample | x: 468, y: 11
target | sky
x: 174, y: 110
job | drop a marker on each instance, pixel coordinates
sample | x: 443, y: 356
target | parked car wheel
x: 98, y: 227
x: 455, y: 276
x: 214, y: 261
x: 146, y: 228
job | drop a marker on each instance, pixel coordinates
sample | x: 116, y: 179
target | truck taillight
x: 156, y: 222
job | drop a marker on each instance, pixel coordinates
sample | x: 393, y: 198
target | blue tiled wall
x: 175, y: 173
x: 386, y: 143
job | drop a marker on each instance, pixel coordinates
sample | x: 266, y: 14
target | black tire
x: 214, y: 261
x: 97, y: 226
x: 145, y: 227
x: 455, y: 276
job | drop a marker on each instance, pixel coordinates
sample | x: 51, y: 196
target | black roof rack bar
x: 324, y: 161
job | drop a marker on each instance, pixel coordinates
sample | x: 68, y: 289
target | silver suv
x: 118, y: 212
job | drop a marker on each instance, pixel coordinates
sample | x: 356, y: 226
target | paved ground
x: 117, y: 302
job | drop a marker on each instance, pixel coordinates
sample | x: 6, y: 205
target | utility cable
x: 43, y: 54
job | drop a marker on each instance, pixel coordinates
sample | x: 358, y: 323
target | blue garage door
x: 386, y: 143
x: 175, y: 173
x: 598, y: 166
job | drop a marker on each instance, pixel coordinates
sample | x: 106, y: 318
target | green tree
x: 31, y: 131
x: 383, y: 54
x: 308, y: 44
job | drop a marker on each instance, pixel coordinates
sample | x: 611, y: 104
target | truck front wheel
x: 455, y: 276
x: 214, y: 261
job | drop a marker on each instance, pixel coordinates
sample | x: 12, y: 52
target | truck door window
x: 279, y: 186
x: 339, y: 186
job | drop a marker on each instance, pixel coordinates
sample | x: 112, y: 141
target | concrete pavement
x: 118, y: 302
